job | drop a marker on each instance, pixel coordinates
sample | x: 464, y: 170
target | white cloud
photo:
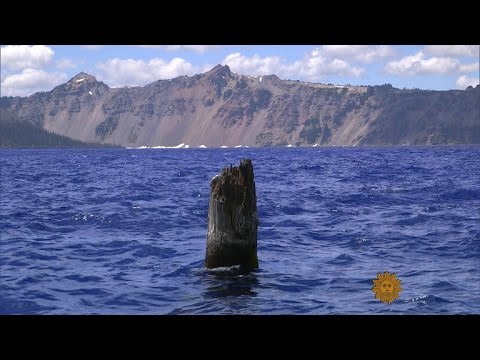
x: 24, y: 56
x: 317, y: 65
x: 363, y: 53
x: 463, y: 82
x: 419, y: 64
x: 468, y: 68
x: 91, y: 47
x: 196, y: 48
x: 453, y: 50
x: 30, y: 81
x: 313, y: 67
x: 255, y: 65
x: 66, y: 64
x: 121, y: 72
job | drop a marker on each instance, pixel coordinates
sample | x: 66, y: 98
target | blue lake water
x: 118, y: 231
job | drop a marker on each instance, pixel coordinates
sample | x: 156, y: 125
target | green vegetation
x: 264, y: 139
x: 227, y: 94
x: 312, y: 132
x: 22, y: 134
x: 261, y: 100
x: 219, y: 83
x: 15, y: 133
x: 106, y: 127
x: 209, y: 102
x: 242, y: 84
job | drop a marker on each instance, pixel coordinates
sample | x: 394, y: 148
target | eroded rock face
x: 232, y: 219
x: 222, y: 108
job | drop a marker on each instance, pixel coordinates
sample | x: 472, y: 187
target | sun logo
x: 386, y: 287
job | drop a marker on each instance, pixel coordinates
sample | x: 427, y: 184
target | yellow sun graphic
x: 386, y: 287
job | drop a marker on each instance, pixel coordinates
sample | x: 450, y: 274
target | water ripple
x: 109, y: 231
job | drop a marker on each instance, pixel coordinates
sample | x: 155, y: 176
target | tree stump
x: 232, y: 219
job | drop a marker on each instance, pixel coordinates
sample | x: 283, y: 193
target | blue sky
x: 28, y: 69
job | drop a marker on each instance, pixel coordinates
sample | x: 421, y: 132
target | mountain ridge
x: 222, y: 108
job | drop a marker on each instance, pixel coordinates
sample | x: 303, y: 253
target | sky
x: 27, y: 69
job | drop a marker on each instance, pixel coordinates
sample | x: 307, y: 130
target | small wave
x: 37, y: 294
x: 360, y: 242
x: 29, y: 280
x: 24, y: 307
x: 429, y: 299
x: 461, y: 194
x: 291, y: 210
x: 150, y: 250
x: 33, y: 255
x: 443, y: 285
x: 40, y: 227
x: 342, y: 259
x: 315, y: 168
x: 419, y: 219
x: 83, y: 279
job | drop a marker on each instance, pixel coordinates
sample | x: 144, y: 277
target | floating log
x: 232, y: 219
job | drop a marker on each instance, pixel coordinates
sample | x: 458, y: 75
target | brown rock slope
x: 223, y: 108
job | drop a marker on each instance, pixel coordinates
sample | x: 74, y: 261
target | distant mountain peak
x: 271, y: 77
x: 220, y: 70
x: 83, y: 77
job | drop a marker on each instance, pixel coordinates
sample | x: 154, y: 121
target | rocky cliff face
x: 223, y: 108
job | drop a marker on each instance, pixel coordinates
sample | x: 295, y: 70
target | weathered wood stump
x: 232, y: 219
